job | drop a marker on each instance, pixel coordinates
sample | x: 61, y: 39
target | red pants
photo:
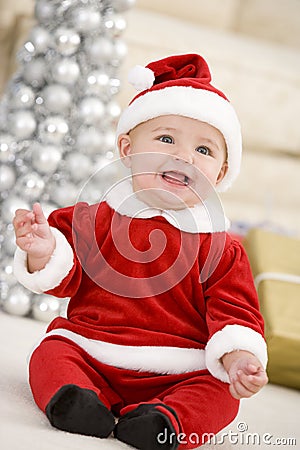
x: 203, y: 404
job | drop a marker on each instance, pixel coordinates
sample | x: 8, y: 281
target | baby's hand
x: 246, y: 374
x: 34, y: 236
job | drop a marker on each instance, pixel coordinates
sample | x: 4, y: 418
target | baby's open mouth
x: 176, y: 178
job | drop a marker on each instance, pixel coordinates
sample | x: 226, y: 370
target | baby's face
x: 174, y: 160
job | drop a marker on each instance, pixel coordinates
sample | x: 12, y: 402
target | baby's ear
x: 222, y: 172
x: 124, y: 146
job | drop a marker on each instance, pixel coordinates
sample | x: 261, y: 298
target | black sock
x: 78, y: 410
x: 147, y: 428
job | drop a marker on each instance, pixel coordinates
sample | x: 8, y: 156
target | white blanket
x: 274, y: 411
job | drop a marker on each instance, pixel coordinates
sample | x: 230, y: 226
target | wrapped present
x: 275, y: 262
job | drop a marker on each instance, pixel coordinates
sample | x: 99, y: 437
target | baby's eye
x: 166, y: 139
x: 203, y: 150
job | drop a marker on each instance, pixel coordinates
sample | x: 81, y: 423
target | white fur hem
x: 161, y: 360
x: 54, y: 272
x: 230, y: 338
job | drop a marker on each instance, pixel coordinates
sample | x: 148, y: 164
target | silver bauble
x: 48, y: 208
x: 7, y: 177
x: 46, y: 158
x: 115, y: 24
x: 30, y: 186
x: 122, y: 5
x: 22, y: 124
x: 109, y: 141
x: 79, y: 166
x: 9, y: 240
x: 67, y: 41
x: 7, y: 145
x: 45, y: 307
x: 45, y: 11
x: 56, y: 98
x: 91, y: 110
x: 120, y: 50
x: 98, y: 82
x: 10, y: 205
x: 65, y: 71
x: 100, y: 50
x: 63, y: 194
x: 113, y: 109
x: 35, y: 71
x: 89, y: 141
x: 17, y: 302
x: 53, y: 130
x: 86, y: 19
x: 105, y: 169
x: 22, y: 97
x: 40, y: 38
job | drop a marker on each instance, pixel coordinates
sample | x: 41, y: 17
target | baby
x: 163, y: 328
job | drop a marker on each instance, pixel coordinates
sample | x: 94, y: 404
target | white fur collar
x: 202, y: 218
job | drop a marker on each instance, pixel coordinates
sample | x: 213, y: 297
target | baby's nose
x: 182, y: 155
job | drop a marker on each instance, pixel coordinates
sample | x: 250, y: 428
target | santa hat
x: 181, y: 85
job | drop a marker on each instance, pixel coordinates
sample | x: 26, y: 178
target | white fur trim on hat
x: 141, y: 78
x: 60, y: 264
x: 230, y: 338
x: 200, y: 104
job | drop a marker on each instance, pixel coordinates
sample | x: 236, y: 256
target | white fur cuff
x: 230, y: 338
x: 54, y: 272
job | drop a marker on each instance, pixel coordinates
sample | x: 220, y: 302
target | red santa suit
x: 156, y: 299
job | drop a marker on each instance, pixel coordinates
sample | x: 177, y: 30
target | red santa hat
x: 181, y: 85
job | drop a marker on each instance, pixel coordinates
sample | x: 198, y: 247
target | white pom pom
x: 141, y: 78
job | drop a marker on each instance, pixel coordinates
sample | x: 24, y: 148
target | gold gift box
x: 275, y: 262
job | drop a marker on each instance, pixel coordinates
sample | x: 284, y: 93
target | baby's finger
x: 21, y: 217
x: 23, y: 229
x: 238, y: 390
x: 39, y: 214
x: 250, y: 382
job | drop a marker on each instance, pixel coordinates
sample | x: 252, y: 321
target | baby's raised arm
x: 34, y: 236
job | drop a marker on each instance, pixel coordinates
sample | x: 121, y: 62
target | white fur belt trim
x: 161, y: 360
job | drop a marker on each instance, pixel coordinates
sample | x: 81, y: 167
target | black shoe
x: 78, y: 410
x: 147, y: 428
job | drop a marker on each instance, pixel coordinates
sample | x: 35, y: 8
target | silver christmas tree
x: 57, y: 123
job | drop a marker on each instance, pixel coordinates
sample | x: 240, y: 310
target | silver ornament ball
x: 63, y: 194
x: 79, y: 166
x: 7, y: 146
x: 30, y: 186
x: 86, y: 19
x: 9, y: 240
x: 65, y: 71
x: 17, y: 302
x: 91, y: 110
x: 45, y: 307
x: 122, y: 5
x: 40, y: 38
x: 100, y: 50
x: 56, y: 98
x: 45, y: 11
x: 46, y: 158
x: 7, y: 177
x: 22, y: 97
x: 22, y: 124
x: 98, y: 82
x: 67, y: 41
x: 89, y: 141
x: 115, y: 24
x: 10, y: 205
x: 53, y: 130
x: 34, y: 72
